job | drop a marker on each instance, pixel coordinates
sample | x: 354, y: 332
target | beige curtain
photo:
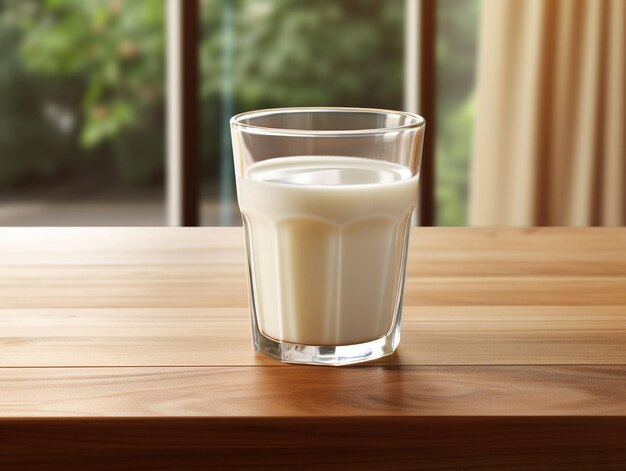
x: 550, y: 144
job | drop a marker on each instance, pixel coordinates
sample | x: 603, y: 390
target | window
x: 82, y: 113
x: 276, y: 53
x: 456, y: 43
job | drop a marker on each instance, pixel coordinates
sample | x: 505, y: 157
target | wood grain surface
x: 130, y: 348
x: 431, y: 335
x: 272, y: 391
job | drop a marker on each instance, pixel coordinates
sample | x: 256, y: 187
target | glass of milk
x: 326, y: 197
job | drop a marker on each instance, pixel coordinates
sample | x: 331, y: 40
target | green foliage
x: 298, y: 52
x: 110, y: 53
x: 101, y: 63
x: 30, y: 149
x: 457, y: 22
x: 452, y: 165
x: 98, y: 61
x: 116, y: 47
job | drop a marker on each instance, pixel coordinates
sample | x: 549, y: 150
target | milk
x: 326, y: 239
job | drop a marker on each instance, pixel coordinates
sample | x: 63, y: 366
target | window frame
x: 182, y: 112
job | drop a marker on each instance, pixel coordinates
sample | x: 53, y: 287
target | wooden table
x: 130, y: 348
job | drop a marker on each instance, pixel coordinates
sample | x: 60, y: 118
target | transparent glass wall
x: 81, y: 112
x: 274, y: 53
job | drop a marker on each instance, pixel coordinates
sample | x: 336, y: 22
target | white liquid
x: 327, y: 236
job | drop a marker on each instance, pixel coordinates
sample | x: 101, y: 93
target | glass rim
x: 237, y: 121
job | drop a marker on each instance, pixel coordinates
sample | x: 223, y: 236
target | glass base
x: 326, y: 355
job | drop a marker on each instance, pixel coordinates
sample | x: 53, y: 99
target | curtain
x: 549, y: 137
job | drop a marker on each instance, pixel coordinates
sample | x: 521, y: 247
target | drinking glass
x: 326, y: 197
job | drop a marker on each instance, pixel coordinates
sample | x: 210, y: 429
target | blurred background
x: 83, y: 101
x: 82, y: 112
